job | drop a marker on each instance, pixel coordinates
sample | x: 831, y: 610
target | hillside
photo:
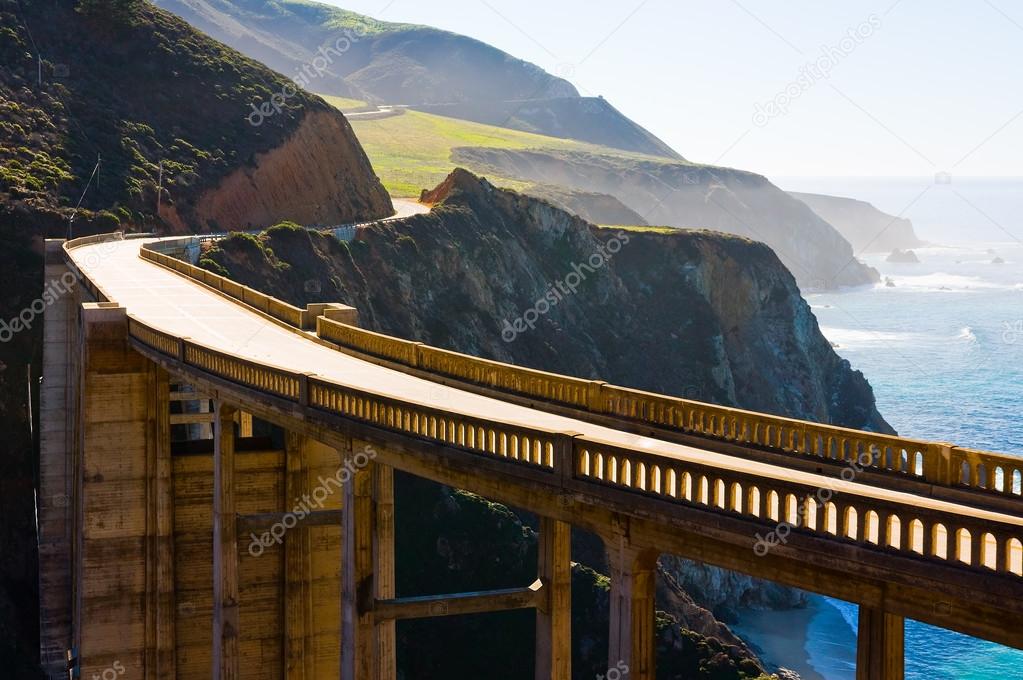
x: 135, y: 88
x: 694, y: 313
x: 868, y: 229
x: 686, y: 195
x: 419, y: 66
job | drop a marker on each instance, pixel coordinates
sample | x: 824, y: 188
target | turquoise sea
x: 943, y: 350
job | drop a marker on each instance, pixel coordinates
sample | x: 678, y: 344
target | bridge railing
x: 935, y: 463
x: 890, y: 522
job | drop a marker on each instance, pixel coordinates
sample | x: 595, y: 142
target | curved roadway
x: 179, y: 306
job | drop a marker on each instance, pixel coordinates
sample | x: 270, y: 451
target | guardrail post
x: 595, y: 396
x: 938, y: 464
x: 303, y: 388
x: 182, y: 342
x: 564, y: 458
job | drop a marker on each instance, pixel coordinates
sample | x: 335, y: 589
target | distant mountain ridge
x: 389, y: 63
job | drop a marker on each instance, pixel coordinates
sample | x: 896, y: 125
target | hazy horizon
x: 901, y: 95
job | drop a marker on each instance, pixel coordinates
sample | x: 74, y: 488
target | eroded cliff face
x: 489, y: 272
x: 694, y: 196
x: 318, y: 175
x: 868, y: 229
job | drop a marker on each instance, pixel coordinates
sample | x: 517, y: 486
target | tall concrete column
x: 359, y: 646
x: 225, y: 547
x: 383, y: 558
x: 298, y: 648
x: 112, y: 494
x: 631, y: 641
x: 57, y: 399
x: 880, y: 646
x: 161, y: 604
x: 554, y: 622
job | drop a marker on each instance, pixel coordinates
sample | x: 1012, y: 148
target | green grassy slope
x: 412, y: 151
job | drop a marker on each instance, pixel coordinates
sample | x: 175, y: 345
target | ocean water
x: 943, y: 350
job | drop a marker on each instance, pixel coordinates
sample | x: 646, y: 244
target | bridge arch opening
x: 999, y: 483
x: 735, y: 503
x: 792, y: 510
x: 811, y: 508
x: 918, y: 464
x: 1017, y: 482
x: 939, y: 541
x: 772, y: 505
x: 851, y: 529
x: 672, y: 482
x: 988, y: 551
x: 964, y: 473
x: 753, y: 501
x: 687, y: 486
x: 871, y: 527
x: 915, y: 536
x: 612, y: 466
x: 894, y: 532
x: 626, y: 472
x: 1014, y: 556
x: 641, y: 476
x: 704, y: 491
x: 720, y: 495
x: 831, y: 518
x: 656, y: 481
x: 964, y: 542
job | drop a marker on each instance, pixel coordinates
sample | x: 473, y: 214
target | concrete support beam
x: 554, y: 618
x: 880, y: 646
x: 632, y: 635
x: 483, y: 602
x: 225, y: 547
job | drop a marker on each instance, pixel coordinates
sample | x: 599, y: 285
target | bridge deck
x: 179, y: 306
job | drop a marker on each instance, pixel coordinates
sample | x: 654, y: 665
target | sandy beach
x: 780, y: 637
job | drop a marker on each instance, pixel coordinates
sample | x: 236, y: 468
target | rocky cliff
x: 692, y: 313
x: 868, y: 229
x: 593, y: 207
x: 318, y: 175
x: 685, y: 195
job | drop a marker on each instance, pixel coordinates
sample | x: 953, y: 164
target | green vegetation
x: 412, y: 151
x: 344, y: 103
x: 335, y: 18
x: 163, y: 72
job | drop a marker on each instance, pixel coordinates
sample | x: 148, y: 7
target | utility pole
x: 159, y: 191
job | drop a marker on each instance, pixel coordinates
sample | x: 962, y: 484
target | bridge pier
x: 225, y: 546
x: 554, y: 621
x: 367, y: 539
x: 880, y: 645
x: 633, y: 584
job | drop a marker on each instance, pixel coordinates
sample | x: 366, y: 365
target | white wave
x: 944, y: 283
x: 856, y: 337
x: 967, y: 334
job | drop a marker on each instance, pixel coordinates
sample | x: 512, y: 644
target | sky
x: 787, y: 88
